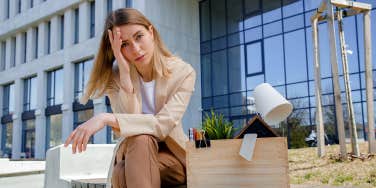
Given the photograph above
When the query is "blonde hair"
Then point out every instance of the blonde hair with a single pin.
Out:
(101, 77)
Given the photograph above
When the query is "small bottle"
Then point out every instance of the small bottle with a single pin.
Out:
(190, 132)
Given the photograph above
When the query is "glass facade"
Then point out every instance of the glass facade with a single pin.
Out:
(247, 42)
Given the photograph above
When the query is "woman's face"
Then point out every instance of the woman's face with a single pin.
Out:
(137, 44)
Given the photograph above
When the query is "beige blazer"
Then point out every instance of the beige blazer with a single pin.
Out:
(172, 96)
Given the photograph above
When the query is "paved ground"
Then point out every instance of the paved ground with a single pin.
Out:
(27, 181)
(12, 168)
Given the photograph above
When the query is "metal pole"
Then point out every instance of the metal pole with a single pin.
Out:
(319, 118)
(369, 84)
(350, 108)
(337, 90)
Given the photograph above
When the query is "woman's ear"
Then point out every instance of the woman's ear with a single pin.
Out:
(150, 29)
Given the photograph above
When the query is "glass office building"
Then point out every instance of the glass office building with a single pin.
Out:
(248, 42)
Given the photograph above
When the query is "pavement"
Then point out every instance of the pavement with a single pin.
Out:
(9, 168)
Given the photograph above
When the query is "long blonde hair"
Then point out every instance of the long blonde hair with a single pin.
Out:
(101, 77)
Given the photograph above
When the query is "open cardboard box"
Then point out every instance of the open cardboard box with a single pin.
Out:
(221, 166)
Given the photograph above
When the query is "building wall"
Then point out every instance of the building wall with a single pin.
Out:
(180, 33)
(247, 42)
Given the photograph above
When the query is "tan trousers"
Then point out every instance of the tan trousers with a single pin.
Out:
(147, 164)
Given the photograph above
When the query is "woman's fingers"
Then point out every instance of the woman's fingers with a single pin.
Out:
(85, 141)
(79, 142)
(69, 139)
(75, 142)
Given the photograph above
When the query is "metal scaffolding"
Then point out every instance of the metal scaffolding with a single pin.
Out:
(326, 12)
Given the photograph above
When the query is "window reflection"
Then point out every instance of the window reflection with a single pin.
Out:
(295, 56)
(218, 24)
(220, 77)
(236, 68)
(274, 68)
(82, 74)
(234, 16)
(54, 130)
(254, 58)
(28, 138)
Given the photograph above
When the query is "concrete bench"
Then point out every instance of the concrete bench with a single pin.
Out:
(81, 170)
(62, 167)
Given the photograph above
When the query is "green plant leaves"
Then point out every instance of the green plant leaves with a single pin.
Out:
(216, 127)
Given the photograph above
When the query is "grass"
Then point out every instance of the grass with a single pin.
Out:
(308, 169)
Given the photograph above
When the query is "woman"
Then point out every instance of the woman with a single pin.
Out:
(149, 90)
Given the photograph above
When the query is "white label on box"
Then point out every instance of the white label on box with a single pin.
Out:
(248, 145)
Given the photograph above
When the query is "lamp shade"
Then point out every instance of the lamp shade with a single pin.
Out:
(272, 106)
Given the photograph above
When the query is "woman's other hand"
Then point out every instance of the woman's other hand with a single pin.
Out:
(81, 135)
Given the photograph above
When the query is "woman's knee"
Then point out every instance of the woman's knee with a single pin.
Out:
(142, 139)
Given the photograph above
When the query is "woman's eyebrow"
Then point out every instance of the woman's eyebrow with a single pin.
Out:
(133, 35)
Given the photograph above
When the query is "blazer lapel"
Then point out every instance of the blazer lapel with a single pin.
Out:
(159, 92)
(136, 84)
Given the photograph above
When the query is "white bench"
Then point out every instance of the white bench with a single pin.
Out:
(62, 166)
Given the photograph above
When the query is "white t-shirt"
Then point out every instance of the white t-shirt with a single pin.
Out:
(147, 94)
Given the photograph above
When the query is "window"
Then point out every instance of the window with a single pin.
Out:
(54, 130)
(31, 3)
(274, 67)
(24, 46)
(204, 21)
(36, 31)
(295, 56)
(254, 54)
(8, 99)
(7, 5)
(3, 55)
(55, 87)
(30, 94)
(219, 73)
(6, 144)
(128, 3)
(28, 138)
(18, 6)
(61, 31)
(92, 19)
(218, 17)
(109, 6)
(76, 26)
(82, 73)
(48, 29)
(13, 52)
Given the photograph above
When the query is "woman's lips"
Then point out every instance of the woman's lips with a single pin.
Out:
(140, 58)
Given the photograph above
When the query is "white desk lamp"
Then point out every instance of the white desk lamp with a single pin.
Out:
(272, 106)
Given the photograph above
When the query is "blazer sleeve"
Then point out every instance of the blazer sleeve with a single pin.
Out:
(162, 123)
